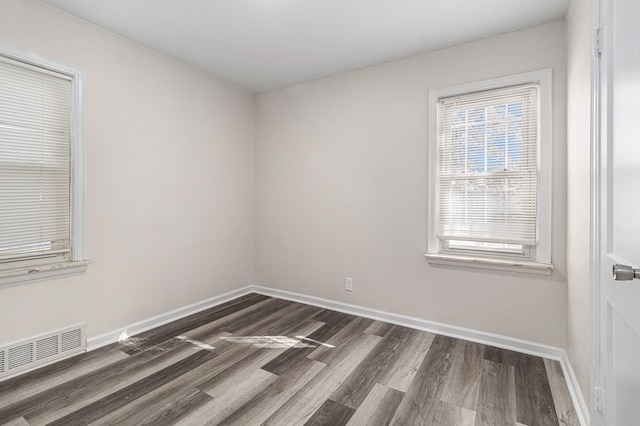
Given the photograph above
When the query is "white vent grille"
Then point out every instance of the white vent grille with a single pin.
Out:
(47, 347)
(39, 350)
(20, 355)
(71, 340)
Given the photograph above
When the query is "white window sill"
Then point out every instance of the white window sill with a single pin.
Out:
(511, 265)
(42, 271)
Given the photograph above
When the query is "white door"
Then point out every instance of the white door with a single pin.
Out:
(619, 306)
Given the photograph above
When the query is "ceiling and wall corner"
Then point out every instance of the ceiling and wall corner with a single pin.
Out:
(263, 45)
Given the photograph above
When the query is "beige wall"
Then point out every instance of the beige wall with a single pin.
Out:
(341, 168)
(578, 171)
(169, 188)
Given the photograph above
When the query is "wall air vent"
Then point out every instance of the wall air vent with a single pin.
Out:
(28, 354)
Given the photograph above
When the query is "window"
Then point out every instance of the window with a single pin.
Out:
(490, 174)
(41, 167)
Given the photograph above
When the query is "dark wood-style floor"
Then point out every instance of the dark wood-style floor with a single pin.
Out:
(259, 360)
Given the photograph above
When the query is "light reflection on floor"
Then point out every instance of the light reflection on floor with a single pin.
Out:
(140, 344)
(275, 342)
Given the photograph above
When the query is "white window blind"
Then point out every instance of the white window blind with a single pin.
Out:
(487, 166)
(35, 113)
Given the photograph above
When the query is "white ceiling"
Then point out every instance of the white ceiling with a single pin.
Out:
(262, 45)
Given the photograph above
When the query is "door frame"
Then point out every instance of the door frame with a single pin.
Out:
(598, 189)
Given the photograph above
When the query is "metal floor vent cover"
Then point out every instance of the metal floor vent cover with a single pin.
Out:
(40, 350)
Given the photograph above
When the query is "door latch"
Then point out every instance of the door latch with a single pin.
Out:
(625, 273)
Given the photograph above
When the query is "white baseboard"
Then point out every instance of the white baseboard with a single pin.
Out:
(497, 340)
(153, 322)
(482, 337)
(582, 409)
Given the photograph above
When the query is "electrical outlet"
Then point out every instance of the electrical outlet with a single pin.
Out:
(348, 284)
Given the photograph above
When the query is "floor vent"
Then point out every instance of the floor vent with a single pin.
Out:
(37, 351)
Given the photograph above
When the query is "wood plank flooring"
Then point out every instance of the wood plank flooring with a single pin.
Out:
(258, 360)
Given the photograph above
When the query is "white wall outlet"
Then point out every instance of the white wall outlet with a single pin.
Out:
(348, 283)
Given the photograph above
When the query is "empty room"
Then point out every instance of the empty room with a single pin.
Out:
(295, 212)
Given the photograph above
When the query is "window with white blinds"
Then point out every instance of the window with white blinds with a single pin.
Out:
(34, 162)
(490, 173)
(42, 215)
(487, 168)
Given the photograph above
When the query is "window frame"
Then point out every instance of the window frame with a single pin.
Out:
(539, 262)
(22, 270)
